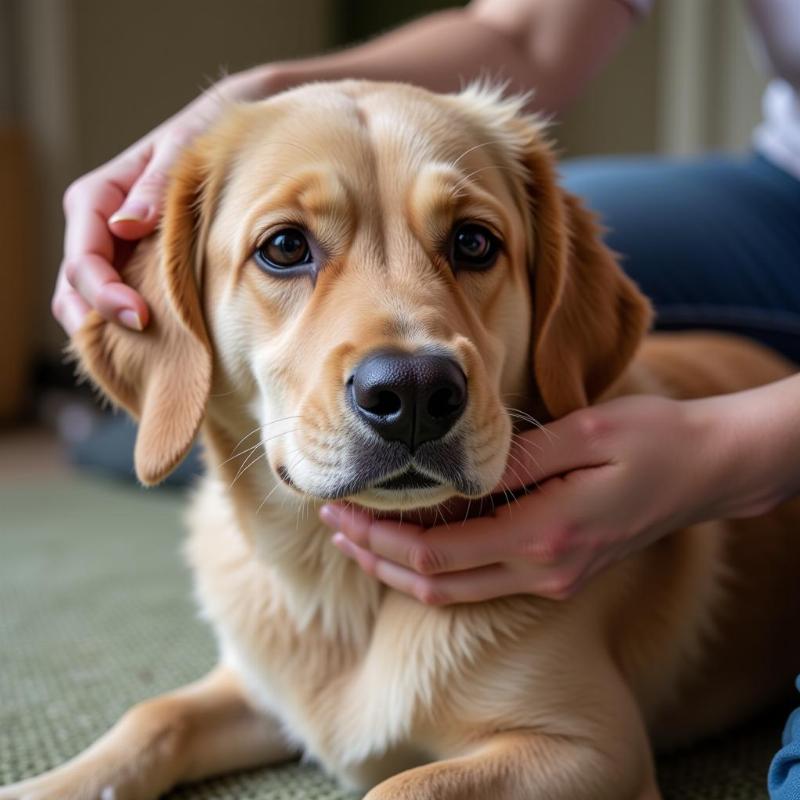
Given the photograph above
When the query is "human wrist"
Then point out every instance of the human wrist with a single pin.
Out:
(744, 452)
(718, 450)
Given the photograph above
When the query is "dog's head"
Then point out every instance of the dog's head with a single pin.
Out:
(368, 277)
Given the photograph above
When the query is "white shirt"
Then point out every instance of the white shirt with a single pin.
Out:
(776, 24)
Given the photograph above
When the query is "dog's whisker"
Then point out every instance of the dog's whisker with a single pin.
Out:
(525, 417)
(444, 519)
(528, 447)
(242, 471)
(466, 513)
(535, 445)
(269, 494)
(506, 492)
(241, 453)
(465, 178)
(250, 461)
(261, 428)
(473, 149)
(278, 483)
(523, 484)
(523, 445)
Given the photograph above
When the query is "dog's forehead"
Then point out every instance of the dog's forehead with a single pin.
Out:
(386, 131)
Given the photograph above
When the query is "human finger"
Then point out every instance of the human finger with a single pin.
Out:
(566, 444)
(427, 551)
(100, 285)
(141, 210)
(469, 586)
(89, 246)
(69, 308)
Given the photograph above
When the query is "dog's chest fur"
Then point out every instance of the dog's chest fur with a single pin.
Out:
(359, 677)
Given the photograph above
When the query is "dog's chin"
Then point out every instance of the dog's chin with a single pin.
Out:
(404, 499)
(415, 496)
(428, 509)
(427, 506)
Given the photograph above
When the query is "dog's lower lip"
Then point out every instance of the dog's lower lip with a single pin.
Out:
(410, 479)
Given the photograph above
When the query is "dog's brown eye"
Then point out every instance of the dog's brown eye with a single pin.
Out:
(473, 247)
(284, 249)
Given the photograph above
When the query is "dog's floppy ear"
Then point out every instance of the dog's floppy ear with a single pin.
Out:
(589, 317)
(162, 376)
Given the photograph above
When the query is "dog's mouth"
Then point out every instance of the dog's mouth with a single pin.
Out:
(405, 482)
(456, 508)
(446, 475)
(414, 495)
(390, 477)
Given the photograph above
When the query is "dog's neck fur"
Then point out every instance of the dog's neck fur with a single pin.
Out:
(316, 584)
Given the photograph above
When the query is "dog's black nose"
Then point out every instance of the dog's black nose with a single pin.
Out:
(409, 398)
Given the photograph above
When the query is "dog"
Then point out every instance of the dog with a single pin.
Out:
(349, 281)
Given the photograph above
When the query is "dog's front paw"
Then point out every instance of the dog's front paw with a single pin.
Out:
(66, 784)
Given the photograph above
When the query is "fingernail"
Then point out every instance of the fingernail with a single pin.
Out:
(329, 515)
(131, 212)
(130, 319)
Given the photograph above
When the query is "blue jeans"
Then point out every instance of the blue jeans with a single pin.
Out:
(784, 774)
(714, 242)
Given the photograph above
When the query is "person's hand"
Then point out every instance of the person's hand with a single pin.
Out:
(119, 203)
(611, 480)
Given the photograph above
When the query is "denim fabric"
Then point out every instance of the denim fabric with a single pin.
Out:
(784, 774)
(714, 242)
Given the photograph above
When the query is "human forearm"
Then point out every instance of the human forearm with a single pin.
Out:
(755, 441)
(550, 46)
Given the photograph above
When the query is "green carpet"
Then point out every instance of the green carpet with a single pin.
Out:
(96, 614)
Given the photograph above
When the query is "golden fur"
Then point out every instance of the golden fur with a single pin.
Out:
(515, 698)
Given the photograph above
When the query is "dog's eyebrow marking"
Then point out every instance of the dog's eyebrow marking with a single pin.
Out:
(440, 194)
(465, 179)
(509, 171)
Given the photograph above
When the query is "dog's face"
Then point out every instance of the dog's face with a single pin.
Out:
(368, 283)
(366, 274)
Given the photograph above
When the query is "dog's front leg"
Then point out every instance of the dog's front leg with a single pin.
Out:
(591, 744)
(525, 765)
(203, 729)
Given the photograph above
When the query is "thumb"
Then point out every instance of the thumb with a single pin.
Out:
(553, 449)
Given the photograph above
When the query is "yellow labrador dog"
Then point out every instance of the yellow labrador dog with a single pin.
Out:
(350, 281)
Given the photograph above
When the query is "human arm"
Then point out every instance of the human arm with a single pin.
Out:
(612, 479)
(551, 46)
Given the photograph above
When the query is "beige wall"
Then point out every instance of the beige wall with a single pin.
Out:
(134, 68)
(685, 82)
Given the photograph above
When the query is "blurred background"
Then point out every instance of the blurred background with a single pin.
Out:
(82, 79)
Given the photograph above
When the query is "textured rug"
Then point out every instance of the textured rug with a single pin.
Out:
(96, 614)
